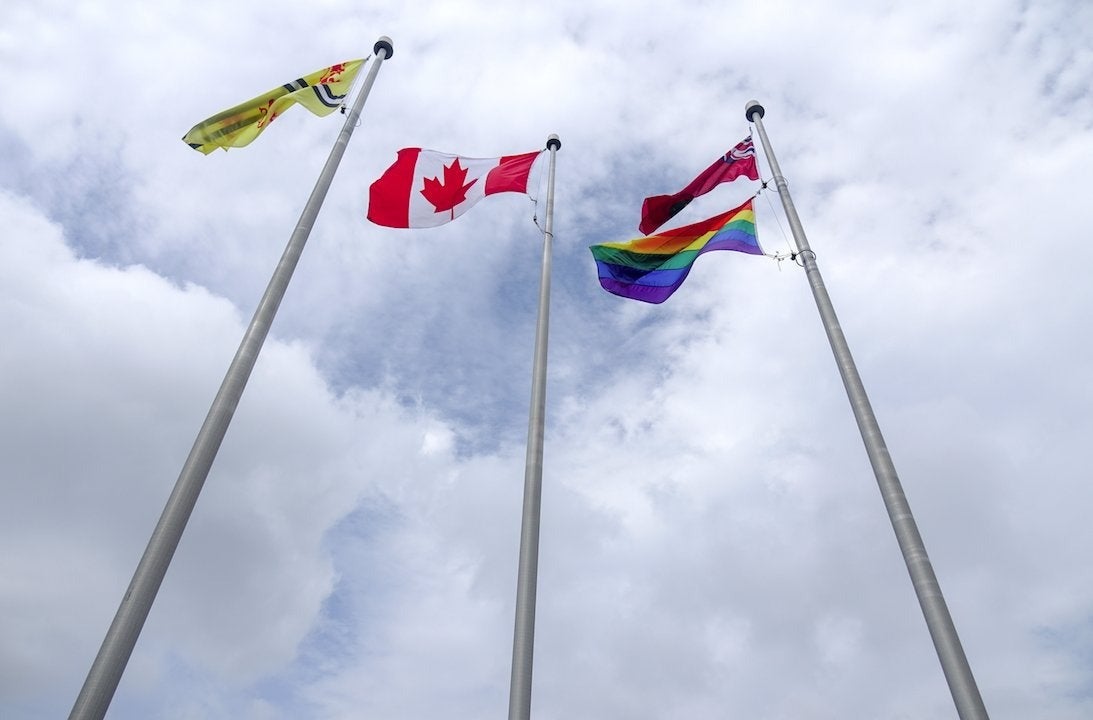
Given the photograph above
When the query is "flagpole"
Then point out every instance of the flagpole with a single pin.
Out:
(106, 671)
(523, 640)
(954, 663)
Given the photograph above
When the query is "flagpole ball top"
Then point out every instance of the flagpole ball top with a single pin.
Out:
(384, 43)
(752, 109)
(553, 143)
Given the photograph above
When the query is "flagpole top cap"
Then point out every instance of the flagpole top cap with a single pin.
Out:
(384, 43)
(752, 109)
(553, 143)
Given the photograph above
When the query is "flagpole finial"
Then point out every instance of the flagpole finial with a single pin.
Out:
(553, 142)
(752, 109)
(384, 43)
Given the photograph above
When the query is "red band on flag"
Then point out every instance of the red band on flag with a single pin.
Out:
(738, 162)
(511, 174)
(388, 197)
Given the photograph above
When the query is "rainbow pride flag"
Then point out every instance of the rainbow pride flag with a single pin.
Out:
(651, 268)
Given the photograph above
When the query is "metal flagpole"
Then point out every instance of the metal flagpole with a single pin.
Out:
(958, 673)
(523, 639)
(106, 671)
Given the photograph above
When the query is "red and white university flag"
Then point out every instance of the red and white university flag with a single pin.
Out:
(424, 188)
(738, 162)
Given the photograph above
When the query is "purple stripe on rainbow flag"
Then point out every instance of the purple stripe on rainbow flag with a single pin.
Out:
(651, 268)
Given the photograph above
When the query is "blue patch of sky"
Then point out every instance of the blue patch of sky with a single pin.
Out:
(352, 616)
(1074, 640)
(186, 685)
(88, 193)
(477, 376)
(476, 371)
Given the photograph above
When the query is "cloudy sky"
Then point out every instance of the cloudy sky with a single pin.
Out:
(713, 540)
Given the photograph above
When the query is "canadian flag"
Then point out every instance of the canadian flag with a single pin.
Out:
(424, 188)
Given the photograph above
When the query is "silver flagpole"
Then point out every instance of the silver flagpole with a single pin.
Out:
(523, 639)
(106, 671)
(958, 673)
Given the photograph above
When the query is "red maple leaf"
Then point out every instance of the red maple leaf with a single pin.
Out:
(449, 193)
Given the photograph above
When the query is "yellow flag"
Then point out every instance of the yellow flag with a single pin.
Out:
(321, 92)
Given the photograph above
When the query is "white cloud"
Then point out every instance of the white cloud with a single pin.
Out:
(712, 541)
(104, 392)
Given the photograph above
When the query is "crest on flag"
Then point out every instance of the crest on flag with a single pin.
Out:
(321, 92)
